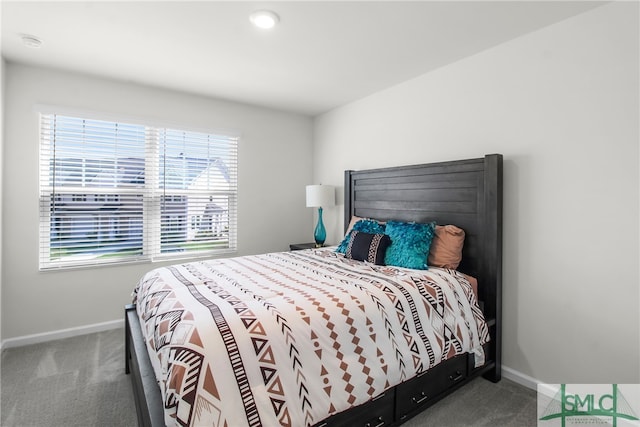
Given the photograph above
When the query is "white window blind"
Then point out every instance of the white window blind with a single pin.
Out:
(118, 192)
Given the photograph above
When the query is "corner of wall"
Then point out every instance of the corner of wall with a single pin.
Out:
(2, 109)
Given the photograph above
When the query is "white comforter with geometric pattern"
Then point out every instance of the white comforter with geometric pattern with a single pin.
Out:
(291, 338)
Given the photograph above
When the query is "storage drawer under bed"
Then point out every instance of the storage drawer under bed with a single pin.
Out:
(424, 389)
(377, 413)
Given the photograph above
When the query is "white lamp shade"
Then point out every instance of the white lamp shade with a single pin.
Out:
(320, 196)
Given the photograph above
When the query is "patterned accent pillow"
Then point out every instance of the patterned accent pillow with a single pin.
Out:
(410, 243)
(365, 225)
(367, 247)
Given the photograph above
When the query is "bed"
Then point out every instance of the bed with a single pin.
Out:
(315, 338)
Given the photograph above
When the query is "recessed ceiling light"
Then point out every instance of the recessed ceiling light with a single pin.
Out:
(31, 41)
(264, 19)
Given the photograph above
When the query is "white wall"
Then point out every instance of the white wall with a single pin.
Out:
(561, 104)
(2, 110)
(274, 166)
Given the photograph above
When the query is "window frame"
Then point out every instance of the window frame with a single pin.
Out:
(152, 194)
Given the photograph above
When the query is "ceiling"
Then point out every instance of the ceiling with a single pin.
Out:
(323, 54)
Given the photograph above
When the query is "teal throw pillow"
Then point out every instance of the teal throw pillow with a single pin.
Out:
(370, 226)
(410, 243)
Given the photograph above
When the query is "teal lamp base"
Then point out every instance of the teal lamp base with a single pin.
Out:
(320, 234)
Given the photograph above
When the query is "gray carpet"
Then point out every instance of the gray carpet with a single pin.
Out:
(80, 382)
(77, 381)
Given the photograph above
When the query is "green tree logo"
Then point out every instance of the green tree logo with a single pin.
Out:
(603, 406)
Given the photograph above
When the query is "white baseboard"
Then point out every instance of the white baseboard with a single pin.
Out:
(62, 333)
(520, 378)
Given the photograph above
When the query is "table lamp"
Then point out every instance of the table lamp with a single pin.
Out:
(317, 197)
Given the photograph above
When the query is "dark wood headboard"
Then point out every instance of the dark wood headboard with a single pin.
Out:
(465, 193)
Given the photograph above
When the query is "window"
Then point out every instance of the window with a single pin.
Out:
(118, 192)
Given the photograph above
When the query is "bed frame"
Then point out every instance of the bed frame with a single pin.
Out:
(466, 193)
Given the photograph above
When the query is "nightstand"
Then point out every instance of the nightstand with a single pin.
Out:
(301, 246)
